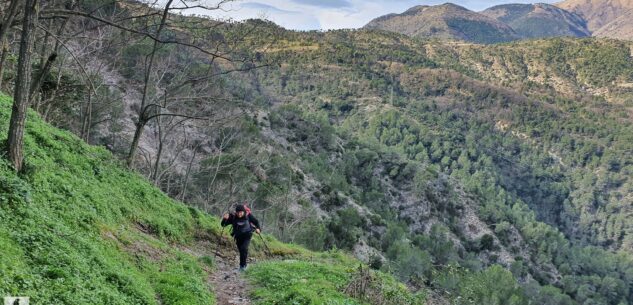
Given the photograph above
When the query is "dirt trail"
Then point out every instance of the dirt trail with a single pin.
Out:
(228, 283)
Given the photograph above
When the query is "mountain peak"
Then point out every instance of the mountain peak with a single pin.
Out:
(451, 5)
(446, 7)
(448, 21)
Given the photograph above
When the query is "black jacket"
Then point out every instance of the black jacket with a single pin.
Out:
(234, 221)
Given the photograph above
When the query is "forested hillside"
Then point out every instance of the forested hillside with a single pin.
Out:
(496, 174)
(78, 228)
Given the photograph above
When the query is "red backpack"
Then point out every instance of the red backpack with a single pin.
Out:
(248, 210)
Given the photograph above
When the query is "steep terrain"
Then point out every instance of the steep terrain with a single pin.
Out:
(539, 20)
(619, 28)
(605, 18)
(476, 174)
(392, 129)
(447, 21)
(77, 228)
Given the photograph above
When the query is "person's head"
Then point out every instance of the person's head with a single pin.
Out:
(240, 211)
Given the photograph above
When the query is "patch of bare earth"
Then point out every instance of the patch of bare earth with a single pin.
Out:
(229, 285)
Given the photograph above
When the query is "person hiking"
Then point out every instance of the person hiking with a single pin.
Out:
(244, 223)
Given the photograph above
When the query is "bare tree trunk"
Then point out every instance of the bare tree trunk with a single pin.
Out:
(87, 119)
(168, 184)
(4, 29)
(48, 104)
(11, 13)
(43, 47)
(15, 140)
(47, 65)
(142, 120)
(184, 185)
(3, 57)
(40, 77)
(159, 153)
(44, 65)
(140, 126)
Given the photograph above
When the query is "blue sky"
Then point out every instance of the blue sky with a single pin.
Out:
(333, 14)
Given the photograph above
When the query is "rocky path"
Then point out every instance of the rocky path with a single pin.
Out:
(229, 284)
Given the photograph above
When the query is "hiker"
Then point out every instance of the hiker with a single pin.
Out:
(244, 223)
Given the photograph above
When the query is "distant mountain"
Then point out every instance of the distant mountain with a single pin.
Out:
(448, 21)
(605, 18)
(539, 20)
(620, 28)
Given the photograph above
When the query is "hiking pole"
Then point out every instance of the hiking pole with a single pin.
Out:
(217, 248)
(265, 245)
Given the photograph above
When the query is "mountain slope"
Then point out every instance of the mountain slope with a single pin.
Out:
(485, 174)
(77, 228)
(445, 21)
(601, 13)
(380, 129)
(539, 20)
(619, 28)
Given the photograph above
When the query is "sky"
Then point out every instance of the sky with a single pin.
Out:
(333, 14)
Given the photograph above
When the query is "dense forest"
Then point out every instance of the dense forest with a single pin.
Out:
(496, 174)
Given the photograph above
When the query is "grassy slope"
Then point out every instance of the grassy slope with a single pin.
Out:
(77, 228)
(70, 222)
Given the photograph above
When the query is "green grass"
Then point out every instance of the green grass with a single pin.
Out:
(76, 227)
(68, 228)
(322, 278)
(299, 282)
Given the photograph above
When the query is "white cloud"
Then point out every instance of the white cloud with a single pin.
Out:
(333, 14)
(281, 12)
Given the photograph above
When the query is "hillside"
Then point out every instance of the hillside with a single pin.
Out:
(619, 28)
(472, 173)
(424, 136)
(77, 228)
(605, 18)
(509, 22)
(447, 21)
(539, 20)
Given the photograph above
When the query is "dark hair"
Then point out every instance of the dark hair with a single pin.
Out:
(239, 208)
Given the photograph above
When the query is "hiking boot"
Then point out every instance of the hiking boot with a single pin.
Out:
(242, 269)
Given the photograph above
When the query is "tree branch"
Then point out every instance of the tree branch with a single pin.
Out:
(64, 13)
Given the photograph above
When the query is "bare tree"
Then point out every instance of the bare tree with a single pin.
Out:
(194, 151)
(21, 92)
(11, 12)
(143, 116)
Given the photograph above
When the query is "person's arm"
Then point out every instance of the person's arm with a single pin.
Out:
(227, 219)
(255, 222)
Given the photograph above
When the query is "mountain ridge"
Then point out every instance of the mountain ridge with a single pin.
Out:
(445, 21)
(605, 18)
(514, 21)
(539, 20)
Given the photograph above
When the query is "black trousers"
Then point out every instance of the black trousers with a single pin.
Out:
(242, 242)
